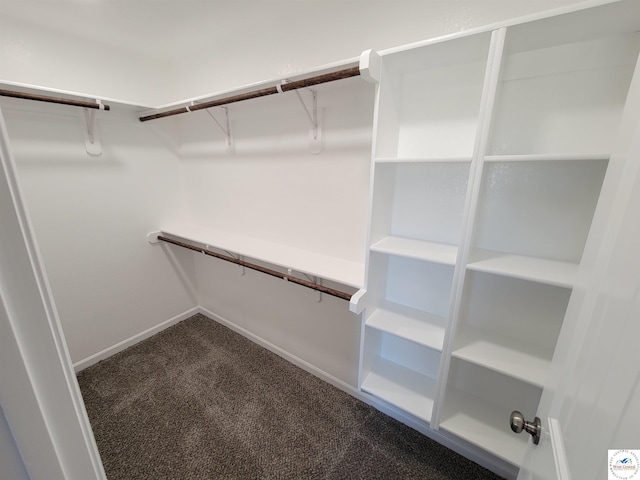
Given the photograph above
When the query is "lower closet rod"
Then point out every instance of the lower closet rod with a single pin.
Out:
(252, 266)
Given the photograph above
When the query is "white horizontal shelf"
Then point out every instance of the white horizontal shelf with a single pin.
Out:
(330, 268)
(423, 159)
(548, 157)
(418, 249)
(417, 326)
(402, 387)
(541, 270)
(518, 359)
(483, 424)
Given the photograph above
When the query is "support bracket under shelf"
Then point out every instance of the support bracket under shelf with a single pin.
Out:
(315, 134)
(225, 129)
(91, 136)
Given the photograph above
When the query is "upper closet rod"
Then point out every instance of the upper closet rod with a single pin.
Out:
(64, 101)
(283, 87)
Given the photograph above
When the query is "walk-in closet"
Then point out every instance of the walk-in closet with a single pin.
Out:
(426, 206)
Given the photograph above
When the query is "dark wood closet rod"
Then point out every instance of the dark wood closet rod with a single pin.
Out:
(285, 87)
(252, 266)
(63, 101)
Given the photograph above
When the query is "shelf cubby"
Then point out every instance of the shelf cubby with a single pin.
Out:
(430, 102)
(477, 406)
(420, 201)
(400, 372)
(562, 95)
(538, 209)
(510, 326)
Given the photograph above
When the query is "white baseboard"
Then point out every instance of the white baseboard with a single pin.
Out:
(118, 347)
(336, 382)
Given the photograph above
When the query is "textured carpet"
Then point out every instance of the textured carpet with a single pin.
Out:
(198, 401)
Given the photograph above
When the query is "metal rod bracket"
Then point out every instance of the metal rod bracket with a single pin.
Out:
(91, 137)
(315, 134)
(226, 129)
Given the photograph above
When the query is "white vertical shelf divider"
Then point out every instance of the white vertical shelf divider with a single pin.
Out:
(491, 80)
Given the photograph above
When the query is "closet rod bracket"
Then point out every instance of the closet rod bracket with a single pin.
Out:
(91, 136)
(315, 134)
(316, 281)
(152, 237)
(226, 128)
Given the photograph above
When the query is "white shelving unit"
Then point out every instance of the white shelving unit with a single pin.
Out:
(490, 152)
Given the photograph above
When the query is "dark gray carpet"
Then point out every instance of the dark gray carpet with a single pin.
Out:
(198, 401)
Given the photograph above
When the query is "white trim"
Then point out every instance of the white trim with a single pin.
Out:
(30, 343)
(559, 452)
(138, 337)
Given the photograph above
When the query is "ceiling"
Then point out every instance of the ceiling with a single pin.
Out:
(165, 29)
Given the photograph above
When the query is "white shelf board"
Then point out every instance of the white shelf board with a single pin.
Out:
(418, 326)
(541, 270)
(517, 359)
(331, 268)
(548, 157)
(483, 424)
(402, 387)
(423, 160)
(418, 249)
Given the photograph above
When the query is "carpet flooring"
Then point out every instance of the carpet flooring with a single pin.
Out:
(199, 401)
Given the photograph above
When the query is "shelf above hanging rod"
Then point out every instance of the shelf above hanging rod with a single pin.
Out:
(96, 104)
(290, 278)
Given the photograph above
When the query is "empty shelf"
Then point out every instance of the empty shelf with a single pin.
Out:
(402, 387)
(519, 360)
(551, 272)
(418, 249)
(415, 325)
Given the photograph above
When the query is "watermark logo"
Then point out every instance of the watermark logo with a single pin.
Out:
(624, 464)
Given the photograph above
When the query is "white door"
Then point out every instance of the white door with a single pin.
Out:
(591, 401)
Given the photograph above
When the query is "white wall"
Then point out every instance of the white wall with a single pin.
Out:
(285, 317)
(272, 187)
(91, 216)
(65, 60)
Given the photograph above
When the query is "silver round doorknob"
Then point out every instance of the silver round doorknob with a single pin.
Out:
(517, 421)
(518, 424)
